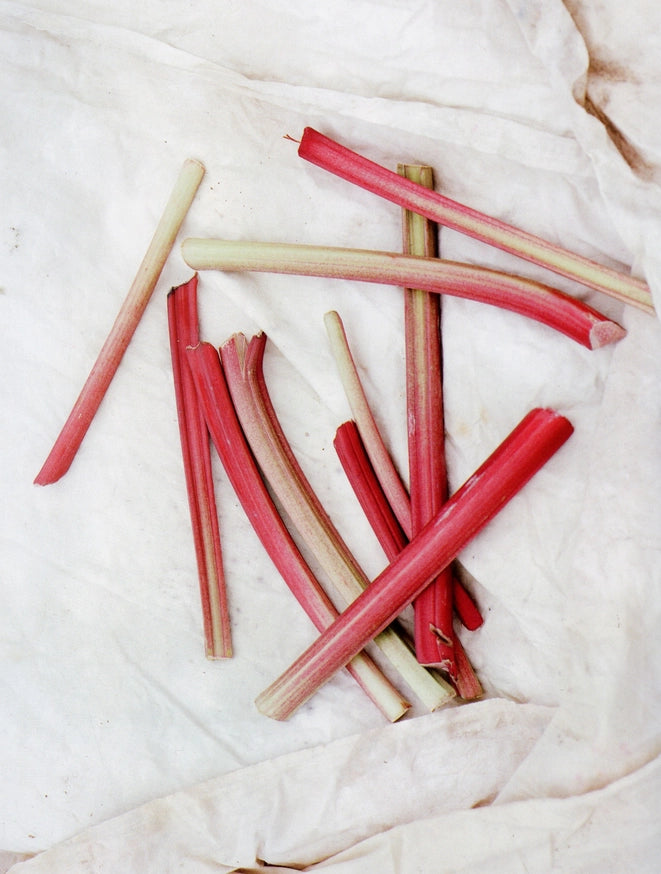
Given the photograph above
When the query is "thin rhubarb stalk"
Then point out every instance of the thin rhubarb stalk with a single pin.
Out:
(84, 409)
(363, 480)
(337, 159)
(183, 330)
(532, 443)
(432, 609)
(524, 296)
(365, 422)
(243, 366)
(251, 491)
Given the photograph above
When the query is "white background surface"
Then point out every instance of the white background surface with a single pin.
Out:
(108, 703)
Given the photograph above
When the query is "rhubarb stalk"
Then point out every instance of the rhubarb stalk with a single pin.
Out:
(243, 366)
(371, 497)
(524, 296)
(377, 451)
(432, 609)
(532, 443)
(331, 156)
(71, 436)
(194, 436)
(251, 491)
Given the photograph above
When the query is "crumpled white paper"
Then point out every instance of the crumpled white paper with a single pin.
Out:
(121, 747)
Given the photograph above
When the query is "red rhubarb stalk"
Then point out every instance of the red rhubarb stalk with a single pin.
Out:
(243, 366)
(331, 156)
(252, 493)
(515, 293)
(183, 330)
(377, 451)
(532, 443)
(71, 436)
(371, 497)
(432, 609)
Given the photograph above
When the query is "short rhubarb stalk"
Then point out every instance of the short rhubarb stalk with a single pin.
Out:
(362, 478)
(377, 451)
(243, 366)
(337, 159)
(532, 443)
(183, 329)
(246, 480)
(432, 609)
(76, 426)
(524, 296)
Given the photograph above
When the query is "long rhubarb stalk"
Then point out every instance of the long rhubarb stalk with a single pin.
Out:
(246, 480)
(331, 156)
(524, 296)
(532, 443)
(432, 609)
(84, 409)
(243, 366)
(377, 451)
(194, 437)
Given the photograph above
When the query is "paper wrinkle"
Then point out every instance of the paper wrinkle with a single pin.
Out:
(118, 736)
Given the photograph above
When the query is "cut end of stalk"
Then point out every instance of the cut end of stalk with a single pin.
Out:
(604, 333)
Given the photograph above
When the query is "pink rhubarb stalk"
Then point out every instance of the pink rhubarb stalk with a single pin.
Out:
(377, 451)
(337, 159)
(524, 296)
(183, 330)
(247, 482)
(432, 609)
(84, 409)
(243, 366)
(532, 443)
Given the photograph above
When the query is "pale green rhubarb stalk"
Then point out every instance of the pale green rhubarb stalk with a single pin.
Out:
(363, 416)
(84, 409)
(532, 443)
(367, 488)
(524, 296)
(246, 480)
(432, 609)
(194, 436)
(243, 366)
(332, 156)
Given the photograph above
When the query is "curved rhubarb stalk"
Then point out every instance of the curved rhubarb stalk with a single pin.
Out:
(337, 159)
(242, 362)
(92, 393)
(524, 296)
(253, 495)
(532, 443)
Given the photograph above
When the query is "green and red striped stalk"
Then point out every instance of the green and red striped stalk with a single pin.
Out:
(532, 443)
(432, 609)
(343, 162)
(524, 296)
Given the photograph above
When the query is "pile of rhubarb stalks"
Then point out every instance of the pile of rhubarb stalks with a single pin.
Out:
(223, 401)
